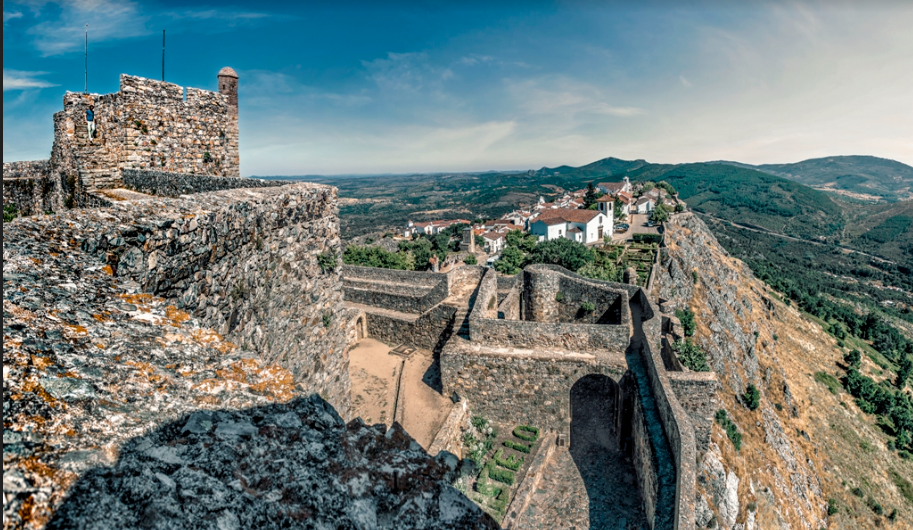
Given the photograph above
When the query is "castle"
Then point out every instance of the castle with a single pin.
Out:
(172, 245)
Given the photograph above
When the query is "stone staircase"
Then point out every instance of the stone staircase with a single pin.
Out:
(96, 161)
(461, 323)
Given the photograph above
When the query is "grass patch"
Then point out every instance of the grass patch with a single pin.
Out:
(903, 485)
(831, 382)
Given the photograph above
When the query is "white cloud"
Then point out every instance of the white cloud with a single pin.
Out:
(9, 15)
(402, 73)
(107, 19)
(684, 81)
(23, 80)
(111, 20)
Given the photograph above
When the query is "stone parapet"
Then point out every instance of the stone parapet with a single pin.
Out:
(172, 184)
(245, 263)
(32, 188)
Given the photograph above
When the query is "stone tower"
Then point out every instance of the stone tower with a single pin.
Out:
(228, 85)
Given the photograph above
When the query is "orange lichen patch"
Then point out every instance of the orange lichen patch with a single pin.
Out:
(40, 362)
(207, 400)
(234, 372)
(76, 329)
(208, 337)
(30, 385)
(18, 312)
(100, 346)
(36, 261)
(276, 382)
(34, 515)
(176, 315)
(108, 270)
(148, 371)
(71, 374)
(211, 386)
(103, 317)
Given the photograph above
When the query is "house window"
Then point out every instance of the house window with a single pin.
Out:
(559, 232)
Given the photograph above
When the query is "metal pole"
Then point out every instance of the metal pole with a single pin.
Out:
(163, 55)
(86, 58)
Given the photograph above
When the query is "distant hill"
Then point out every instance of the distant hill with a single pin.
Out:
(601, 168)
(861, 177)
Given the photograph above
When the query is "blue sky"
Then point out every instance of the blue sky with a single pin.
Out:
(331, 88)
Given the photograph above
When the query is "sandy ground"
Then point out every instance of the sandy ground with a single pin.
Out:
(373, 372)
(424, 408)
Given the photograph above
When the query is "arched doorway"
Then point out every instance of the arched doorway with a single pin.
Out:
(360, 332)
(595, 412)
(606, 472)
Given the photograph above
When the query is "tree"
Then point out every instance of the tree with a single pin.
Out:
(660, 214)
(563, 252)
(605, 272)
(589, 199)
(679, 208)
(686, 316)
(618, 208)
(470, 259)
(511, 261)
(904, 371)
(378, 257)
(752, 397)
(853, 358)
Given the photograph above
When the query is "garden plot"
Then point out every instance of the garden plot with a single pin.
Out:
(502, 455)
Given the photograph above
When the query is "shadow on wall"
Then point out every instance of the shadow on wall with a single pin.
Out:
(293, 465)
(607, 471)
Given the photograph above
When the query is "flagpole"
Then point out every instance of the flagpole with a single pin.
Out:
(86, 58)
(163, 55)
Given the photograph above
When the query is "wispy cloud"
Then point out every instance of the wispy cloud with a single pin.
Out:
(111, 20)
(9, 15)
(107, 20)
(23, 80)
(558, 95)
(406, 73)
(684, 81)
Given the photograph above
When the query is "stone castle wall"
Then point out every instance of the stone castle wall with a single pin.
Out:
(404, 291)
(171, 184)
(529, 388)
(427, 331)
(245, 263)
(31, 188)
(147, 124)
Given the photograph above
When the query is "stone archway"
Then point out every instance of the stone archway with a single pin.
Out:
(606, 471)
(596, 405)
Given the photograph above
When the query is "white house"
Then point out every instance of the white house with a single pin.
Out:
(584, 226)
(606, 205)
(494, 242)
(611, 188)
(644, 204)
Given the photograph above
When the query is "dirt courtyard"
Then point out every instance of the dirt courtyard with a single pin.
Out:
(374, 372)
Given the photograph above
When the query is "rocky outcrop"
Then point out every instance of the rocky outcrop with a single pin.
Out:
(737, 327)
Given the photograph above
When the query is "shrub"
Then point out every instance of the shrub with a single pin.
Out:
(832, 507)
(327, 261)
(527, 433)
(686, 316)
(647, 238)
(559, 296)
(694, 277)
(483, 486)
(511, 462)
(679, 208)
(874, 506)
(327, 320)
(523, 448)
(732, 432)
(857, 491)
(588, 307)
(752, 397)
(10, 212)
(207, 158)
(470, 259)
(691, 355)
(501, 475)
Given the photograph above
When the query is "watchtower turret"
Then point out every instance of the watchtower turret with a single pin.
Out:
(228, 85)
